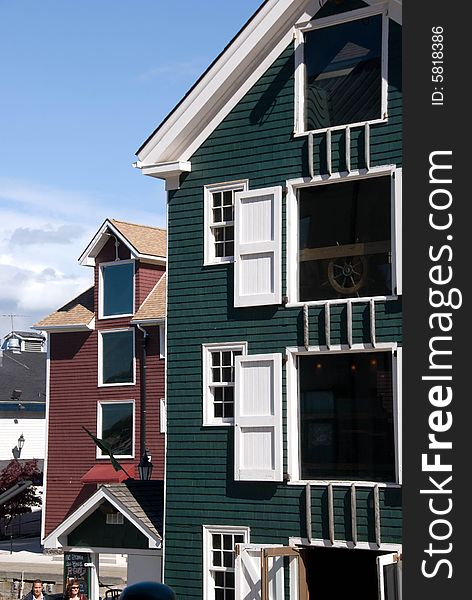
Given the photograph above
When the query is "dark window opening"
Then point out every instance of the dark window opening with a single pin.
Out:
(344, 73)
(118, 289)
(346, 417)
(117, 427)
(118, 355)
(341, 573)
(345, 240)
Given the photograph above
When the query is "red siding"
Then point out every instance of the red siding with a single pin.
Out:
(74, 394)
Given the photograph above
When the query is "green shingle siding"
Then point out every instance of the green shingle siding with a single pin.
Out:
(255, 142)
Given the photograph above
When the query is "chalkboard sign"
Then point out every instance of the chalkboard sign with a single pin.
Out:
(74, 568)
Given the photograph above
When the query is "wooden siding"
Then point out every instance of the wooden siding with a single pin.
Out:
(255, 141)
(74, 396)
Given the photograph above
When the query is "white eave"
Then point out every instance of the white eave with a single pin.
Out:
(90, 326)
(230, 77)
(88, 256)
(170, 171)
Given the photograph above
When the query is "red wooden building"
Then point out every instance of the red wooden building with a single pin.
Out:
(106, 373)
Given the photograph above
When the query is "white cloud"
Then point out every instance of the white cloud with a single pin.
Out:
(176, 71)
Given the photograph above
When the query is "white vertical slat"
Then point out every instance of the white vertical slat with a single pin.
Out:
(348, 149)
(328, 152)
(248, 570)
(397, 232)
(258, 247)
(258, 418)
(397, 403)
(367, 145)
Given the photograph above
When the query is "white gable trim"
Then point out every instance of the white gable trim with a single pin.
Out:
(226, 82)
(87, 258)
(58, 537)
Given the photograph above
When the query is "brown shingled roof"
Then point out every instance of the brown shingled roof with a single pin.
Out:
(154, 307)
(146, 239)
(78, 311)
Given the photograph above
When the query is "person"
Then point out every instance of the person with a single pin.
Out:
(73, 590)
(36, 592)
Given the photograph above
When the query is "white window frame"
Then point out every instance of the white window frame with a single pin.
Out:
(300, 68)
(208, 531)
(210, 257)
(292, 262)
(100, 403)
(115, 518)
(383, 561)
(101, 289)
(293, 411)
(100, 357)
(207, 349)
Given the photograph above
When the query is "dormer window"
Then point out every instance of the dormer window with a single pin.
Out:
(342, 79)
(116, 289)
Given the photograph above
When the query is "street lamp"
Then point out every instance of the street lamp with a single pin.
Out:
(145, 467)
(21, 443)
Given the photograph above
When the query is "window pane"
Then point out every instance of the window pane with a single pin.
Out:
(217, 199)
(346, 413)
(345, 239)
(343, 65)
(117, 427)
(118, 353)
(118, 289)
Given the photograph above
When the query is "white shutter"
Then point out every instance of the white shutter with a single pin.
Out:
(248, 570)
(258, 247)
(389, 575)
(397, 232)
(258, 418)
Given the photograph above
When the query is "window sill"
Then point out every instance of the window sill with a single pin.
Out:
(113, 385)
(108, 317)
(216, 263)
(343, 483)
(364, 299)
(221, 424)
(379, 121)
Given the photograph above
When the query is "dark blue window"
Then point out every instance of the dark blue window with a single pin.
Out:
(117, 358)
(118, 289)
(117, 427)
(344, 73)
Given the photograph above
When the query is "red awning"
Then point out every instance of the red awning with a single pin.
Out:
(106, 474)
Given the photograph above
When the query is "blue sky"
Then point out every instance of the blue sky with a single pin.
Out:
(83, 84)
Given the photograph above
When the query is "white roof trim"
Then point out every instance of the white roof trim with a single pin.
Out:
(231, 76)
(90, 326)
(87, 257)
(57, 537)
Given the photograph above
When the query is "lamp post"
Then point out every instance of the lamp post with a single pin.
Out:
(21, 443)
(145, 467)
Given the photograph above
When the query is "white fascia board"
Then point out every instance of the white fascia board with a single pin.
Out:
(55, 538)
(90, 326)
(85, 258)
(258, 45)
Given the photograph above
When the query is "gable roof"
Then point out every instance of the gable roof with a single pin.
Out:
(141, 502)
(76, 315)
(25, 335)
(244, 60)
(155, 306)
(143, 241)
